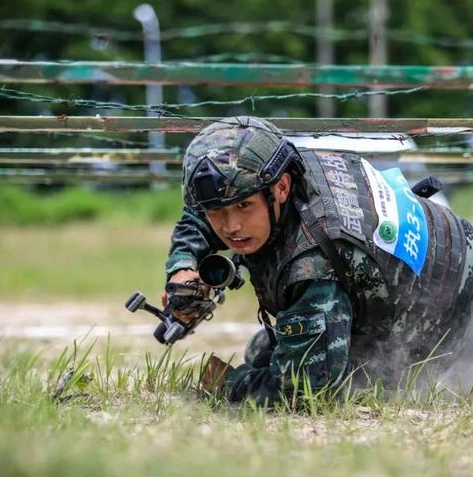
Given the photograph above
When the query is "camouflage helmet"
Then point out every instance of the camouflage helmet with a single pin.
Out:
(232, 159)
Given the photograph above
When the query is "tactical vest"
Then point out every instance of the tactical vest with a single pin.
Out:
(386, 293)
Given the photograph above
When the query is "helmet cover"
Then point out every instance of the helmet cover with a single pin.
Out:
(228, 161)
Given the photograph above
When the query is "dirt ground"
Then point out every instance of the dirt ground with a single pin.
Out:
(52, 326)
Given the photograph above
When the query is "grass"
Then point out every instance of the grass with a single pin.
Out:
(99, 261)
(82, 260)
(100, 409)
(461, 201)
(149, 418)
(84, 243)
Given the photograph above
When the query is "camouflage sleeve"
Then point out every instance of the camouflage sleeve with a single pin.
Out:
(313, 340)
(191, 240)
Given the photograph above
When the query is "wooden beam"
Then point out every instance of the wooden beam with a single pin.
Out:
(311, 126)
(102, 72)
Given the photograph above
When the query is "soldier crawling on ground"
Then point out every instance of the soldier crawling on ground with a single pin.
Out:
(346, 261)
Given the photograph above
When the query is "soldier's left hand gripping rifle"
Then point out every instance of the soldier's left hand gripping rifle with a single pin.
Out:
(191, 298)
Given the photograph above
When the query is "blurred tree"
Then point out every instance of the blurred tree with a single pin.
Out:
(420, 33)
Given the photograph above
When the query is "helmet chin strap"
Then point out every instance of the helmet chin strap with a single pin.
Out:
(275, 226)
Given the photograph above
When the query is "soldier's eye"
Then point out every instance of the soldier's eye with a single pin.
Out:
(244, 204)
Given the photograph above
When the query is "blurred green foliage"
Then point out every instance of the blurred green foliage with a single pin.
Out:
(26, 207)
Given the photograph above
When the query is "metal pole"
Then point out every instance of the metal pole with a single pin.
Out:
(146, 15)
(325, 51)
(378, 51)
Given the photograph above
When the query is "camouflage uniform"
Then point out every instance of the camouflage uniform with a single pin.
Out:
(378, 309)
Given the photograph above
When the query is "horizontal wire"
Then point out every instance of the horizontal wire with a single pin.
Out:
(335, 34)
(163, 109)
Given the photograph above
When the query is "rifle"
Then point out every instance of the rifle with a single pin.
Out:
(192, 298)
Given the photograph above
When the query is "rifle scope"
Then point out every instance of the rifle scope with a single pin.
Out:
(218, 271)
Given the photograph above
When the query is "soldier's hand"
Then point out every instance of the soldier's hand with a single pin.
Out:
(181, 276)
(215, 374)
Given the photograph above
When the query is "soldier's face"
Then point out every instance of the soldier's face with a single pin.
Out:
(244, 227)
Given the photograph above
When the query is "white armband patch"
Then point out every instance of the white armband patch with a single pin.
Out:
(402, 227)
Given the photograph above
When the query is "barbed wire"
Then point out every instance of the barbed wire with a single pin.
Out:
(163, 109)
(449, 140)
(335, 34)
